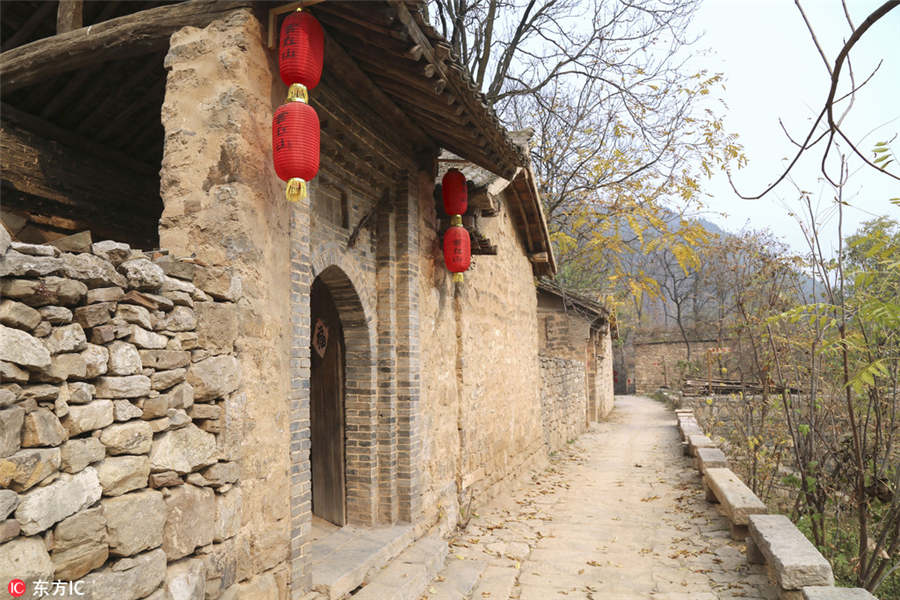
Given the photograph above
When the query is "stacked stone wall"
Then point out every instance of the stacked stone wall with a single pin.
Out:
(563, 401)
(120, 412)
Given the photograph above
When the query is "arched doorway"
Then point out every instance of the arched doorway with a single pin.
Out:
(326, 406)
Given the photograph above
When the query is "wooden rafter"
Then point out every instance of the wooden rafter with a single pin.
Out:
(69, 15)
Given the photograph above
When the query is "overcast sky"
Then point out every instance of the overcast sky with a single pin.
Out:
(773, 70)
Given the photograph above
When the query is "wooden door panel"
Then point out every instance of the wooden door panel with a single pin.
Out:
(326, 407)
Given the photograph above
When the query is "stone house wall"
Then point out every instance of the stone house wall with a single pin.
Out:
(563, 400)
(480, 374)
(658, 364)
(120, 427)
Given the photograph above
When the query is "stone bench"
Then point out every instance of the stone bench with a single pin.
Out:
(710, 458)
(823, 592)
(792, 560)
(695, 441)
(736, 500)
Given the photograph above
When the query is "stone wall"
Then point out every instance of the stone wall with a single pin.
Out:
(224, 204)
(658, 364)
(480, 370)
(119, 404)
(563, 400)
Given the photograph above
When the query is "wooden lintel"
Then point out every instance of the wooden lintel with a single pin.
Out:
(123, 37)
(539, 257)
(69, 15)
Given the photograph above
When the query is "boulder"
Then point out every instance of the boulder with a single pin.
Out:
(87, 417)
(77, 242)
(47, 290)
(219, 282)
(7, 397)
(124, 359)
(78, 453)
(67, 338)
(9, 500)
(45, 506)
(181, 396)
(114, 252)
(163, 380)
(80, 392)
(92, 270)
(135, 522)
(190, 522)
(10, 373)
(165, 359)
(177, 418)
(142, 274)
(176, 268)
(228, 514)
(131, 386)
(138, 315)
(9, 529)
(127, 438)
(20, 348)
(5, 239)
(129, 578)
(105, 295)
(63, 367)
(34, 249)
(181, 318)
(125, 410)
(11, 421)
(214, 377)
(17, 264)
(121, 474)
(56, 315)
(93, 315)
(96, 360)
(26, 468)
(186, 580)
(25, 558)
(18, 315)
(165, 479)
(42, 428)
(153, 408)
(142, 338)
(78, 544)
(183, 450)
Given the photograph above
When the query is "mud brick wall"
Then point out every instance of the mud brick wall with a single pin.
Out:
(658, 364)
(563, 400)
(119, 398)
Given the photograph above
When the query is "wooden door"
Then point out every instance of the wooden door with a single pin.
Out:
(326, 407)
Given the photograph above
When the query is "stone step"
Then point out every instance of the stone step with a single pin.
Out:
(457, 580)
(406, 577)
(496, 583)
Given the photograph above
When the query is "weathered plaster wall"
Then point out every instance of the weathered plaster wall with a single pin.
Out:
(480, 371)
(120, 408)
(224, 204)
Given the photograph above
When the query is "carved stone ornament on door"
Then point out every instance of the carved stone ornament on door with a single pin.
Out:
(320, 338)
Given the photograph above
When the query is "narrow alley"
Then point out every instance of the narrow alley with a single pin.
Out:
(619, 515)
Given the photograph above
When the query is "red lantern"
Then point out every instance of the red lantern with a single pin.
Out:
(301, 50)
(455, 192)
(457, 250)
(295, 143)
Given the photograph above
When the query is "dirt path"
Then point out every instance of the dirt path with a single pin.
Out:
(620, 515)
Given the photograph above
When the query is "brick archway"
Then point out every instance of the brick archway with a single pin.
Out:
(359, 397)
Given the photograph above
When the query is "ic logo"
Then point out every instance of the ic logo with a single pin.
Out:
(16, 588)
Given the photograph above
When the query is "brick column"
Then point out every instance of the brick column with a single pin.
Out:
(387, 365)
(301, 483)
(409, 419)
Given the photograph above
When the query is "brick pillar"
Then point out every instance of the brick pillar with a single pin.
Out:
(301, 483)
(387, 365)
(409, 419)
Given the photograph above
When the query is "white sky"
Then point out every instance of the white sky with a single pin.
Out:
(773, 70)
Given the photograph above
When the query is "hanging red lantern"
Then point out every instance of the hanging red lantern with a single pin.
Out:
(295, 142)
(301, 50)
(457, 249)
(454, 192)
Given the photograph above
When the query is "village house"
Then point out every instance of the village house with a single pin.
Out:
(218, 393)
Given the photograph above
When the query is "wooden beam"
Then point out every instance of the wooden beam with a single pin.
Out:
(29, 27)
(44, 168)
(69, 15)
(123, 37)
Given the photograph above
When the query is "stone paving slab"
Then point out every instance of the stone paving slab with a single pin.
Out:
(619, 515)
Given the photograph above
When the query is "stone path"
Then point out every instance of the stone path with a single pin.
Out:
(619, 515)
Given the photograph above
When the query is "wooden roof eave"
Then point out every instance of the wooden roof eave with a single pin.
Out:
(534, 223)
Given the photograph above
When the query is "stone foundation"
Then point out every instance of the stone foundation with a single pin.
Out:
(120, 405)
